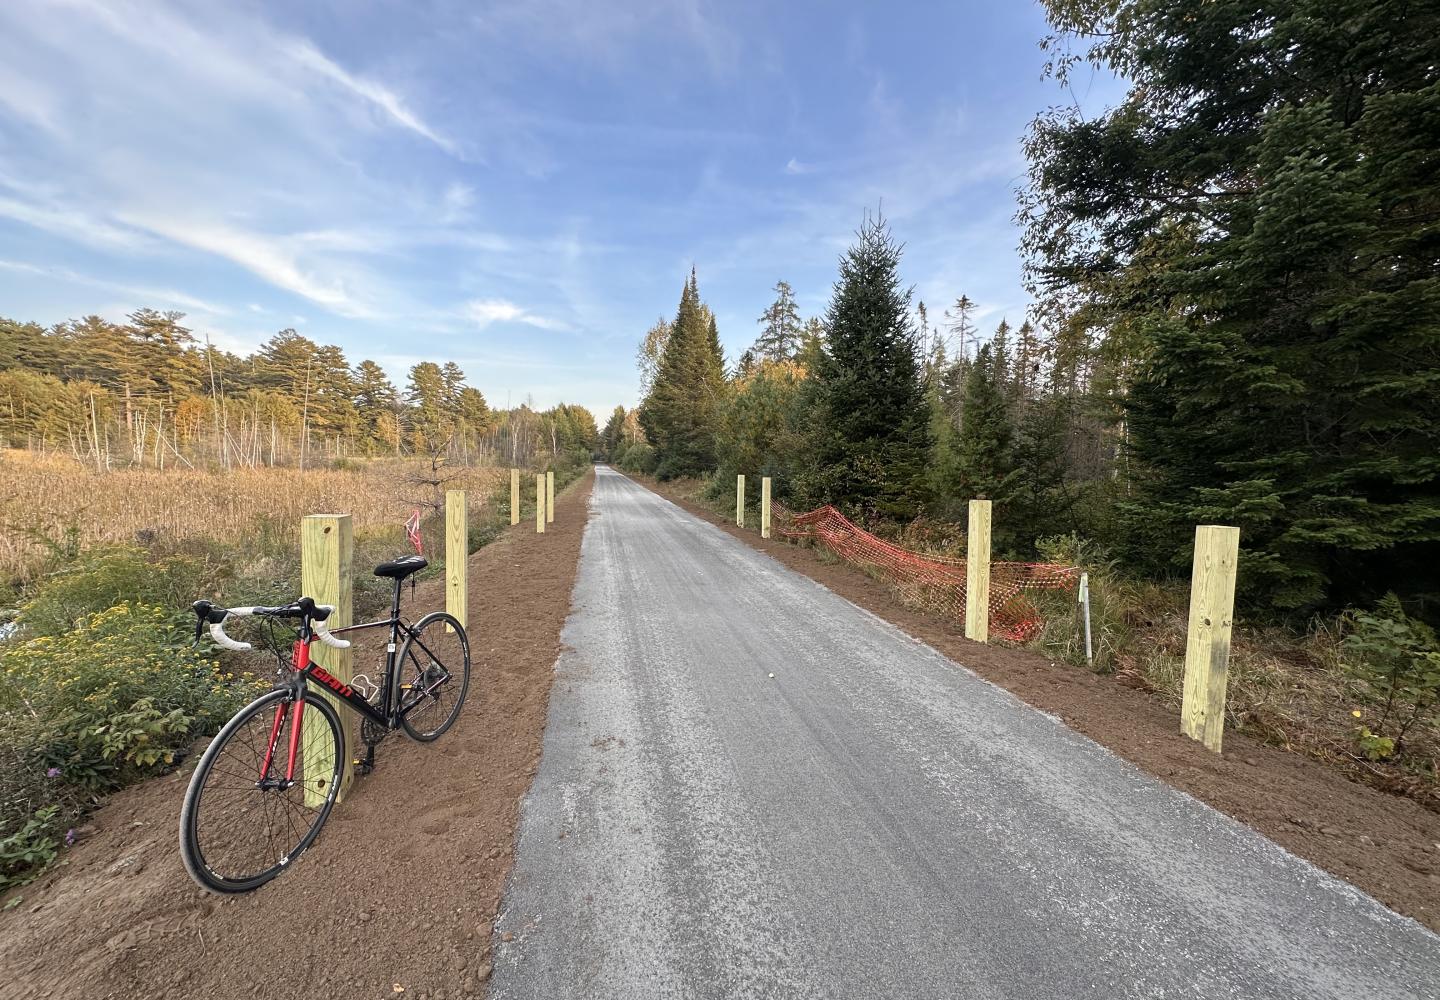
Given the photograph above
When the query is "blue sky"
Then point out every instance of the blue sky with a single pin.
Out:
(520, 187)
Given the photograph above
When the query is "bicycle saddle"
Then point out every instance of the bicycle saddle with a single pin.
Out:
(399, 569)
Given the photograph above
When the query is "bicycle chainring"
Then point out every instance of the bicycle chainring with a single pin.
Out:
(372, 733)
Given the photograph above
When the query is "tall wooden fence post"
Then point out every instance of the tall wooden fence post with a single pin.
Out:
(764, 506)
(327, 542)
(540, 504)
(1207, 644)
(457, 557)
(514, 496)
(549, 497)
(740, 500)
(977, 572)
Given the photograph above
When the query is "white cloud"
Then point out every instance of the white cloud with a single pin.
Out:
(270, 258)
(28, 100)
(796, 167)
(456, 202)
(138, 295)
(483, 312)
(382, 97)
(72, 224)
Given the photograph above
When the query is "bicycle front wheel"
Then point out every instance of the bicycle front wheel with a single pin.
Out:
(244, 821)
(432, 674)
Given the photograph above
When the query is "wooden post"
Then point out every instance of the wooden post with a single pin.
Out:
(514, 496)
(326, 544)
(977, 572)
(740, 500)
(539, 503)
(549, 497)
(764, 506)
(457, 557)
(1207, 645)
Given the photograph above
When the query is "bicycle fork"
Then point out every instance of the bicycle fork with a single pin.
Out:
(302, 660)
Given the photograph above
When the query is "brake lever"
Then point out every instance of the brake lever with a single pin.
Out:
(202, 612)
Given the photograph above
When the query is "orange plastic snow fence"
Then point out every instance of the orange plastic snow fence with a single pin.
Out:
(936, 583)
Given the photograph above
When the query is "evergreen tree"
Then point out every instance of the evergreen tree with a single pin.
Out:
(780, 338)
(943, 474)
(1036, 504)
(871, 430)
(812, 344)
(1256, 220)
(679, 413)
(432, 420)
(983, 446)
(961, 326)
(613, 433)
(375, 404)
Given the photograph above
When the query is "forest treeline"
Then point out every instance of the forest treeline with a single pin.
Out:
(147, 392)
(1236, 319)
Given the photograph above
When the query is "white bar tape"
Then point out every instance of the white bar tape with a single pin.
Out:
(323, 634)
(224, 641)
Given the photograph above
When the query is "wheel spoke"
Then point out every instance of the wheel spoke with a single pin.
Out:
(240, 832)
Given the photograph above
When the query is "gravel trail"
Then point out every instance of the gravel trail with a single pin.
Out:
(871, 821)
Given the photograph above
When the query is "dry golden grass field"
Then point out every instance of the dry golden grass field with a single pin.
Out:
(55, 498)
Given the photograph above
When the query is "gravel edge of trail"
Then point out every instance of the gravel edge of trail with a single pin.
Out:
(1387, 846)
(121, 919)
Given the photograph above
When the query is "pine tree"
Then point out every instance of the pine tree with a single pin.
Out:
(872, 433)
(780, 338)
(432, 420)
(375, 403)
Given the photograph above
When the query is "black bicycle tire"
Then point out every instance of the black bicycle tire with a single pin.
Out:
(190, 852)
(418, 627)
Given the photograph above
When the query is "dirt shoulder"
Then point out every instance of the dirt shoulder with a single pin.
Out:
(402, 886)
(1386, 845)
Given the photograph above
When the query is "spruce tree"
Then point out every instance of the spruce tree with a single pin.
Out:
(943, 472)
(983, 445)
(680, 413)
(872, 433)
(780, 338)
(1255, 223)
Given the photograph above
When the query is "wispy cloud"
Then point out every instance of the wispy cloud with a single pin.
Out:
(484, 312)
(377, 94)
(271, 258)
(71, 223)
(795, 167)
(139, 295)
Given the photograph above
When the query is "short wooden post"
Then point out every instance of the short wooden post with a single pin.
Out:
(1207, 645)
(740, 500)
(977, 572)
(540, 504)
(514, 496)
(457, 557)
(327, 542)
(765, 507)
(550, 497)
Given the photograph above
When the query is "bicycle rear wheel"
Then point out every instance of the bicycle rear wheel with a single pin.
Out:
(238, 832)
(432, 675)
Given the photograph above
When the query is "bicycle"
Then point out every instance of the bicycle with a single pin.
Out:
(244, 821)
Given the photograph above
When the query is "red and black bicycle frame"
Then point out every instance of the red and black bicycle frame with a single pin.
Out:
(387, 715)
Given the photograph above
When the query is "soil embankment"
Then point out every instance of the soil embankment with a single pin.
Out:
(402, 887)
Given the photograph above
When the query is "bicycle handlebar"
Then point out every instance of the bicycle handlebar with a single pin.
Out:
(305, 609)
